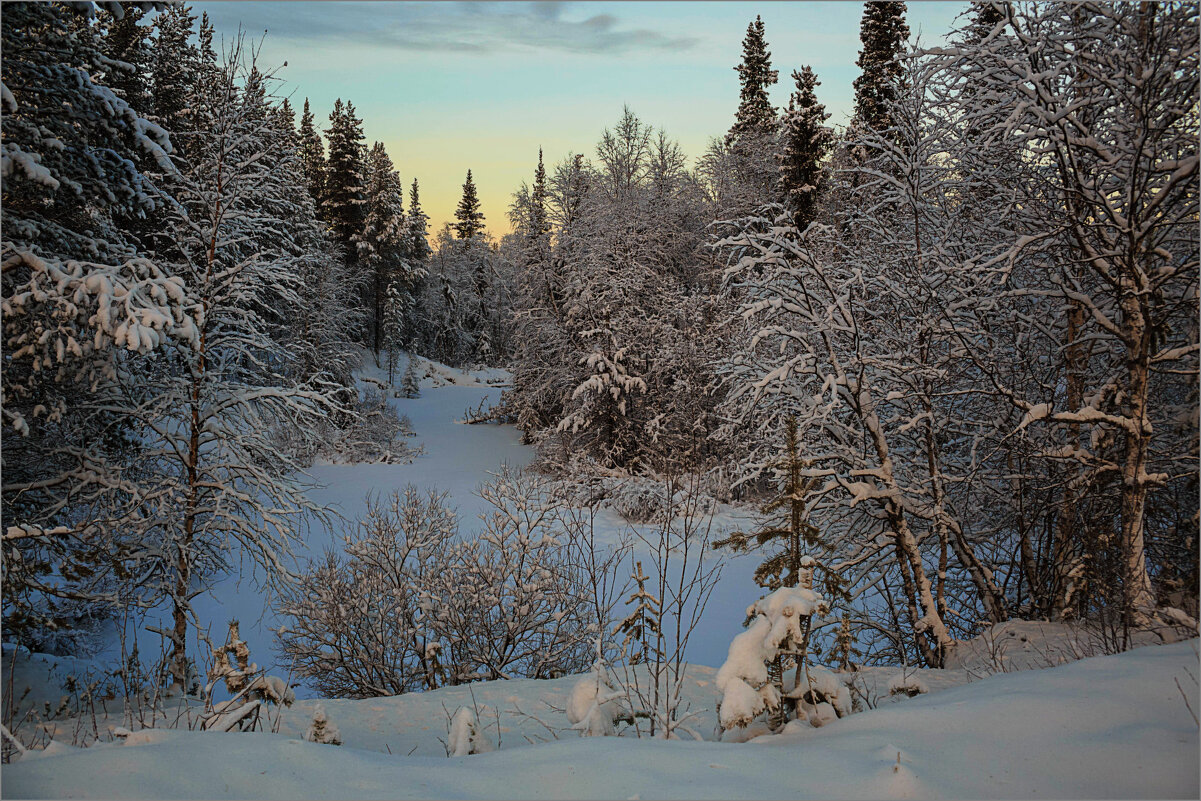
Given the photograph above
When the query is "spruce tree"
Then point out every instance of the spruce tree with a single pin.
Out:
(787, 520)
(539, 223)
(883, 33)
(418, 249)
(806, 141)
(312, 155)
(755, 112)
(344, 202)
(173, 66)
(383, 241)
(284, 117)
(470, 218)
(126, 40)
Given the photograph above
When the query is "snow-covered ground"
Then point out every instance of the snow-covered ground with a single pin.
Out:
(1104, 727)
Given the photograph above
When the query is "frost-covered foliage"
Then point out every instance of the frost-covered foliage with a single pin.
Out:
(414, 606)
(611, 310)
(779, 624)
(356, 625)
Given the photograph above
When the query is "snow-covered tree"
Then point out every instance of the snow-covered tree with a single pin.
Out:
(780, 625)
(1110, 210)
(470, 218)
(207, 411)
(344, 201)
(80, 304)
(174, 63)
(382, 243)
(805, 141)
(321, 729)
(756, 115)
(312, 155)
(883, 33)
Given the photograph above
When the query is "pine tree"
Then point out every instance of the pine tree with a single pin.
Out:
(883, 33)
(284, 117)
(312, 155)
(806, 143)
(755, 112)
(642, 626)
(410, 384)
(470, 218)
(344, 200)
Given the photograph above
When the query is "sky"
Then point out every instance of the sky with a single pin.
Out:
(449, 87)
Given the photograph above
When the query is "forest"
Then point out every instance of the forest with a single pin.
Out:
(930, 373)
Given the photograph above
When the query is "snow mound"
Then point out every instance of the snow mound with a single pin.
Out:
(1114, 726)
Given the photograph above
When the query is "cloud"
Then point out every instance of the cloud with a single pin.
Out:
(472, 27)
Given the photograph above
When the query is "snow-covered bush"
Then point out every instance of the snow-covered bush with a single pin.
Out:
(907, 683)
(466, 736)
(594, 705)
(374, 433)
(409, 607)
(356, 625)
(820, 696)
(321, 729)
(780, 624)
(513, 602)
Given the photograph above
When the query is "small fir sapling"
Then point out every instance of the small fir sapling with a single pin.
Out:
(410, 383)
(593, 707)
(641, 627)
(780, 624)
(322, 729)
(466, 737)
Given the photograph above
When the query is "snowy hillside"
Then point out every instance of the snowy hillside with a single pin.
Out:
(1104, 727)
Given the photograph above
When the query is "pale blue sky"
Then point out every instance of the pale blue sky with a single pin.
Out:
(481, 85)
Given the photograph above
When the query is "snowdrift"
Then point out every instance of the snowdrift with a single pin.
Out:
(1105, 727)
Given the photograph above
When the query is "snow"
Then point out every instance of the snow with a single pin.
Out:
(1105, 727)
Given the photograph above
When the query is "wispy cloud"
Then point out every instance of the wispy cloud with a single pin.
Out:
(472, 27)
